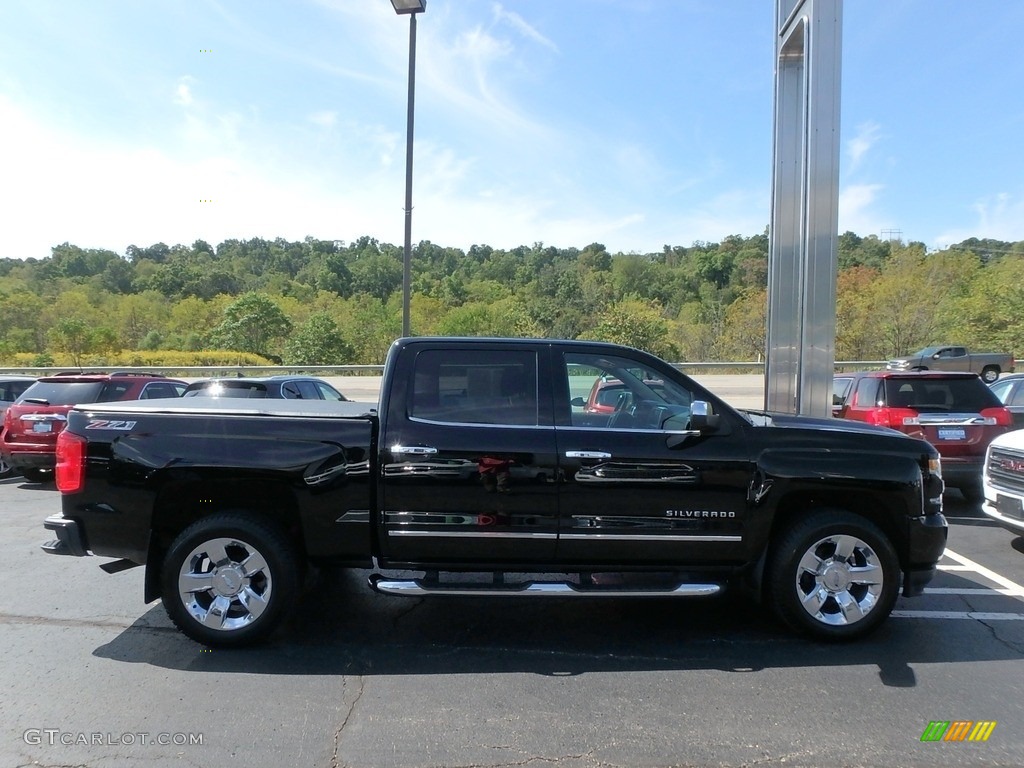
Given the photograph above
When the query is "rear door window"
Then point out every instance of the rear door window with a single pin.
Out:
(476, 387)
(161, 389)
(307, 390)
(113, 391)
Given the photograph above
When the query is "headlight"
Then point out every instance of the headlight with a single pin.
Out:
(935, 466)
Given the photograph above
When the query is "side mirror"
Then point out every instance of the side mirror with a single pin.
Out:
(702, 417)
(702, 420)
(578, 402)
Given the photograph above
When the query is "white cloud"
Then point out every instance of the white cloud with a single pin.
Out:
(523, 27)
(183, 92)
(324, 118)
(866, 137)
(61, 187)
(998, 216)
(855, 209)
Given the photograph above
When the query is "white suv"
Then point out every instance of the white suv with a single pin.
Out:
(1004, 481)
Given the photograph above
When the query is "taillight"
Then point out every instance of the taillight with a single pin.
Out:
(999, 416)
(70, 471)
(895, 418)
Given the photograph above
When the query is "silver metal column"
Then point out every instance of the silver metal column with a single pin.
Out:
(805, 203)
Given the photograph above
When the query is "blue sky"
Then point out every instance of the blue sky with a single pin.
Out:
(634, 123)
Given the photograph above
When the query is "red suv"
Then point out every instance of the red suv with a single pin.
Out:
(955, 412)
(31, 425)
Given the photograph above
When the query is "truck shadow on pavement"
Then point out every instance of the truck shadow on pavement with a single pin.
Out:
(340, 627)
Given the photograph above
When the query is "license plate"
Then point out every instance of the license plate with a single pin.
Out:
(952, 433)
(42, 426)
(1009, 506)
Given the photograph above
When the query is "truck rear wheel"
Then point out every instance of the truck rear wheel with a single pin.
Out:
(229, 579)
(989, 373)
(834, 576)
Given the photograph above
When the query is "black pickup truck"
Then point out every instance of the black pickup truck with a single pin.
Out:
(501, 467)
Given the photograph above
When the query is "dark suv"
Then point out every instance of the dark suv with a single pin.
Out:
(955, 412)
(31, 425)
(283, 387)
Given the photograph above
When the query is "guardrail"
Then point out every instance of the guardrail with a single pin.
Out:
(376, 370)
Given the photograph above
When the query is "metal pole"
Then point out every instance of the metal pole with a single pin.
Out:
(406, 263)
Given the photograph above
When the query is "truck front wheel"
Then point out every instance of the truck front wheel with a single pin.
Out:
(833, 575)
(228, 579)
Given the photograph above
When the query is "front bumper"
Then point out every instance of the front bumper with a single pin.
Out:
(927, 541)
(1010, 523)
(69, 541)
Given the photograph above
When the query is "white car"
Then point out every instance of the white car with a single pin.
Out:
(1004, 481)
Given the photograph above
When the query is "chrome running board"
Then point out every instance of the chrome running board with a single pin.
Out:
(422, 587)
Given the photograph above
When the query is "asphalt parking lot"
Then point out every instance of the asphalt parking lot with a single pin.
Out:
(94, 677)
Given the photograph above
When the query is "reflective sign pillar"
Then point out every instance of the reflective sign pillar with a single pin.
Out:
(805, 204)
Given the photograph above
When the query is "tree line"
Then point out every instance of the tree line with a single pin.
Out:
(324, 302)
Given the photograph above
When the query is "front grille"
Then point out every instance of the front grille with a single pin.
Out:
(1006, 469)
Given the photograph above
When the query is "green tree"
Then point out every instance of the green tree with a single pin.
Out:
(252, 323)
(72, 336)
(318, 342)
(745, 322)
(636, 323)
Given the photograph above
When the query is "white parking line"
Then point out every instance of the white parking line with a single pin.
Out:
(1015, 589)
(1006, 588)
(976, 615)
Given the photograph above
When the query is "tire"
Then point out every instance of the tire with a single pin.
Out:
(36, 475)
(228, 580)
(990, 373)
(826, 596)
(5, 468)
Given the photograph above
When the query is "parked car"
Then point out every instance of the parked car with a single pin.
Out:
(1010, 391)
(608, 395)
(31, 425)
(11, 388)
(283, 387)
(955, 412)
(988, 365)
(1004, 481)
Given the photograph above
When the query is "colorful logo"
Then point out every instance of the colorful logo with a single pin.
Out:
(958, 730)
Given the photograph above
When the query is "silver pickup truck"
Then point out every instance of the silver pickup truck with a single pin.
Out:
(988, 365)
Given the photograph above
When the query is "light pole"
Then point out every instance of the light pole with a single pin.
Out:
(410, 7)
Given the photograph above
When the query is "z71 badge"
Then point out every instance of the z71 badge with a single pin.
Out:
(105, 424)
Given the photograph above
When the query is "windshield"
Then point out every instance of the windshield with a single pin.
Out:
(960, 395)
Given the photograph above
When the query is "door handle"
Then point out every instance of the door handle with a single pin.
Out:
(414, 450)
(587, 455)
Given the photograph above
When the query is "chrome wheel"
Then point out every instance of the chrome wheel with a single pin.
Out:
(839, 580)
(225, 584)
(230, 579)
(833, 575)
